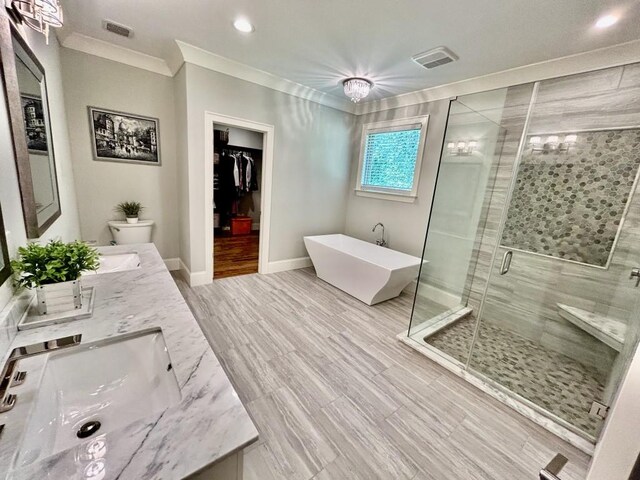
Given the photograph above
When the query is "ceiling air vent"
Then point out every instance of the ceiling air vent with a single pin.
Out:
(116, 28)
(436, 57)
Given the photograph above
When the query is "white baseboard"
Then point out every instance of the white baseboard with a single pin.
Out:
(194, 279)
(291, 264)
(201, 278)
(184, 271)
(172, 264)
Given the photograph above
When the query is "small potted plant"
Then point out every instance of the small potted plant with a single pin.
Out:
(53, 271)
(131, 210)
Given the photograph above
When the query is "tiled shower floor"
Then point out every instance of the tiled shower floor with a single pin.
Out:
(553, 381)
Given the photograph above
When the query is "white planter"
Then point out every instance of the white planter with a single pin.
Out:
(59, 297)
(132, 219)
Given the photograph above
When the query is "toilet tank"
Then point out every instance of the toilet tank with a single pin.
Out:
(127, 233)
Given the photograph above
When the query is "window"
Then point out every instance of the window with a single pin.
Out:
(390, 157)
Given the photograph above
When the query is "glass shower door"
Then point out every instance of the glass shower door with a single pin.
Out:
(467, 171)
(480, 147)
(559, 320)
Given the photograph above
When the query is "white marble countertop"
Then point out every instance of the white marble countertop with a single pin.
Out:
(208, 424)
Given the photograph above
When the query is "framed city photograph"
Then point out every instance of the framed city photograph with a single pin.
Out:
(34, 124)
(124, 137)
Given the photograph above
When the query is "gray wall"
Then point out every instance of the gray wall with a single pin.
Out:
(182, 156)
(94, 81)
(310, 170)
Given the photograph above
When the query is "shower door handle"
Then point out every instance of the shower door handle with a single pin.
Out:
(635, 272)
(506, 262)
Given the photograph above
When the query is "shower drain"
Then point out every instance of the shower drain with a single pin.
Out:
(88, 429)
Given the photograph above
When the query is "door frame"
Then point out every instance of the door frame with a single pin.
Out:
(210, 119)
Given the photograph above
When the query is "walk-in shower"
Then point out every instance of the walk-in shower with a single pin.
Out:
(533, 235)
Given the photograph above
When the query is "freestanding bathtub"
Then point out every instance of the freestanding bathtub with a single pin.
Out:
(366, 271)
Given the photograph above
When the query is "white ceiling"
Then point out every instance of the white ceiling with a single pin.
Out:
(317, 43)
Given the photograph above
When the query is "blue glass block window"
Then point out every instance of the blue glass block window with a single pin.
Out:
(390, 159)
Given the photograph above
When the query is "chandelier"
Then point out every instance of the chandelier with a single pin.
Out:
(356, 88)
(40, 14)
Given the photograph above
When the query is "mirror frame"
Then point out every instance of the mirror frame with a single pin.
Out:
(8, 33)
(5, 272)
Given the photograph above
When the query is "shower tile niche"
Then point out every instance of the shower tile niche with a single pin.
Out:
(570, 204)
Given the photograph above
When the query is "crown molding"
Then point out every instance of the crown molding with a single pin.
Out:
(198, 56)
(211, 61)
(100, 48)
(614, 56)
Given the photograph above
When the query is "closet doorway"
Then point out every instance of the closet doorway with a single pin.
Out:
(213, 122)
(237, 174)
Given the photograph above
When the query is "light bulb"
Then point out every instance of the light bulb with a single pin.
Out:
(534, 140)
(570, 138)
(243, 25)
(552, 139)
(606, 21)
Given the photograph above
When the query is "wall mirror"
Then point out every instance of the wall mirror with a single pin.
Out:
(26, 91)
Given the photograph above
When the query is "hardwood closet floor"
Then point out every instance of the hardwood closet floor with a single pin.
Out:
(335, 396)
(235, 255)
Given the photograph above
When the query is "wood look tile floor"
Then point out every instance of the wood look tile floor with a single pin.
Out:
(235, 255)
(335, 396)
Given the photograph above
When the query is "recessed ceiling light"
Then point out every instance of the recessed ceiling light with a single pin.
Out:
(243, 25)
(606, 21)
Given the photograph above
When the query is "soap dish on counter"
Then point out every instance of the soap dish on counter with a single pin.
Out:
(33, 319)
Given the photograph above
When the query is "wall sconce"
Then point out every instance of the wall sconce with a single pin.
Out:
(461, 147)
(40, 15)
(552, 143)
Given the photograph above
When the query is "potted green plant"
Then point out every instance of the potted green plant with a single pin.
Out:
(131, 210)
(53, 270)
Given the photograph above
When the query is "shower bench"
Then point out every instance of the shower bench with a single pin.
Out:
(607, 330)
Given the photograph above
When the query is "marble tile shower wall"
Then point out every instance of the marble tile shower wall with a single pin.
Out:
(569, 205)
(524, 300)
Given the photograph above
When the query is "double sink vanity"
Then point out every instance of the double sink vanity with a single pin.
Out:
(132, 392)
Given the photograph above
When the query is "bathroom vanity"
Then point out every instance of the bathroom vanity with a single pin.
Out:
(143, 388)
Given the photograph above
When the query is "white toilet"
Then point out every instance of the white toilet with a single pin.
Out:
(127, 233)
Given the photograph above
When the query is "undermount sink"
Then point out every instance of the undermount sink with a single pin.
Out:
(114, 382)
(121, 262)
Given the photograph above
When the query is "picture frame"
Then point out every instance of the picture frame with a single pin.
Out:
(124, 137)
(34, 124)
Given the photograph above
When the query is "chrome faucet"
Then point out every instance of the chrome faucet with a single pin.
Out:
(381, 241)
(12, 378)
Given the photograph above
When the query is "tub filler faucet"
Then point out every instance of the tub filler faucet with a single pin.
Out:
(381, 241)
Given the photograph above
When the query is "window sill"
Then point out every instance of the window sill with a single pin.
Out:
(396, 197)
